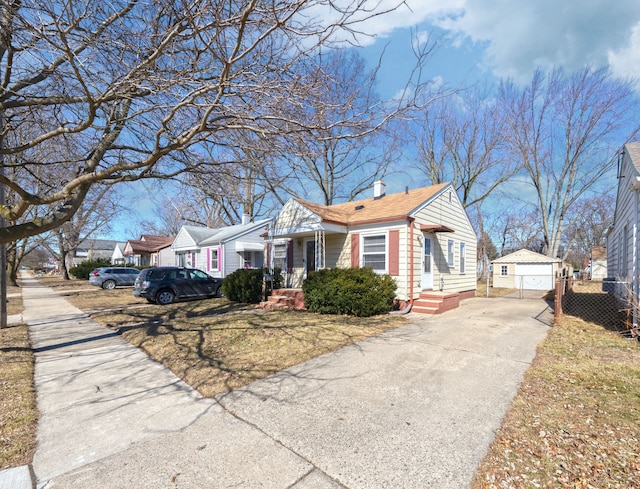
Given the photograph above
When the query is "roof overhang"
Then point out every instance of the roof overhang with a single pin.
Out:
(435, 228)
(307, 229)
(247, 246)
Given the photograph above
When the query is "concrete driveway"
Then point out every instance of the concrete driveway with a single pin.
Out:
(413, 408)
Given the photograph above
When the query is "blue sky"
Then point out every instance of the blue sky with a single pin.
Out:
(487, 39)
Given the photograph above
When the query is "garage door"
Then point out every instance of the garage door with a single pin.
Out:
(534, 276)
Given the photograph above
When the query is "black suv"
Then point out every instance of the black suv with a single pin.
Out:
(164, 285)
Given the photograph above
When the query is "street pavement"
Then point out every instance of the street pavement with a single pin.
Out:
(416, 407)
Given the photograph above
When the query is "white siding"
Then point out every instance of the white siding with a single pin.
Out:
(620, 240)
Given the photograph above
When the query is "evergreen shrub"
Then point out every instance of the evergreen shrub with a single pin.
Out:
(246, 285)
(353, 291)
(82, 270)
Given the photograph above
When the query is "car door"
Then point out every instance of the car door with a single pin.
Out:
(203, 284)
(130, 275)
(117, 275)
(182, 284)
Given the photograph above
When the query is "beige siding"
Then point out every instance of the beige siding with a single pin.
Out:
(374, 229)
(451, 214)
(504, 281)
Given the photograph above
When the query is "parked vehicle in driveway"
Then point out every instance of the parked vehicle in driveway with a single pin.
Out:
(111, 277)
(164, 285)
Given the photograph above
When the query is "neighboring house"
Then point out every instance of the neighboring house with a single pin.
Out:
(117, 255)
(222, 251)
(598, 263)
(149, 250)
(525, 269)
(422, 238)
(623, 236)
(93, 249)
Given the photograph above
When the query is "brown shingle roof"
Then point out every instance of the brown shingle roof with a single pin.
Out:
(385, 208)
(149, 243)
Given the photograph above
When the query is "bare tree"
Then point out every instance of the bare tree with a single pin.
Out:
(133, 87)
(564, 129)
(94, 216)
(458, 139)
(520, 229)
(346, 144)
(589, 220)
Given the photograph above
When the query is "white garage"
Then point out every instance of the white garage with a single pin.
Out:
(525, 269)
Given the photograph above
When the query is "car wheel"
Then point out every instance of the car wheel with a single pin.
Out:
(219, 292)
(109, 284)
(165, 297)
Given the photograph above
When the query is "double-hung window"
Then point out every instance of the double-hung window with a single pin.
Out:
(374, 252)
(214, 264)
(280, 256)
(450, 253)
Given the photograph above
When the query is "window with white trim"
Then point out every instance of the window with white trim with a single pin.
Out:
(280, 256)
(462, 257)
(214, 263)
(450, 252)
(374, 252)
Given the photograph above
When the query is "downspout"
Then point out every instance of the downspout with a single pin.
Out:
(408, 308)
(635, 295)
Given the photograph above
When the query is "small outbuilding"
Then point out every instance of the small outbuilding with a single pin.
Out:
(525, 269)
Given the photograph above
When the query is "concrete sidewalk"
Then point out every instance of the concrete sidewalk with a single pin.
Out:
(415, 407)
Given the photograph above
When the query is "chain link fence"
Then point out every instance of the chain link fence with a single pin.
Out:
(596, 301)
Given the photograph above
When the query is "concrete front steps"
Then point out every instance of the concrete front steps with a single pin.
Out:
(284, 299)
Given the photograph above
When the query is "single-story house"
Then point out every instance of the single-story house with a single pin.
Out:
(422, 238)
(525, 269)
(623, 237)
(93, 249)
(117, 255)
(598, 263)
(149, 250)
(222, 251)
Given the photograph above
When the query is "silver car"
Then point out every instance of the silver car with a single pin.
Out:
(111, 277)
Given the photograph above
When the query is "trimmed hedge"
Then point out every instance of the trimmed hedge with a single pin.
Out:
(82, 270)
(354, 291)
(246, 285)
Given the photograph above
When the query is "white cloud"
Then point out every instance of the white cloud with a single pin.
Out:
(521, 36)
(625, 61)
(397, 14)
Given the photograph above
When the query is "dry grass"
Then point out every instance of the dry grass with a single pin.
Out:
(574, 423)
(18, 413)
(216, 346)
(481, 290)
(14, 300)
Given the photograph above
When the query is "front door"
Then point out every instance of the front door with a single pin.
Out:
(310, 256)
(427, 263)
